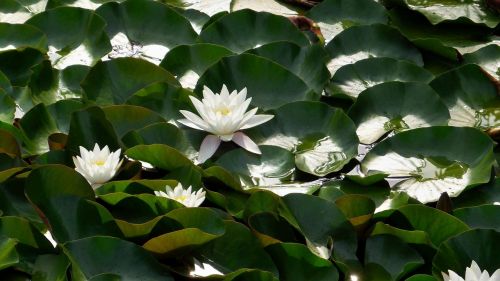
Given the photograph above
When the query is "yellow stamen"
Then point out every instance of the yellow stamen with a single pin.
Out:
(223, 111)
(99, 162)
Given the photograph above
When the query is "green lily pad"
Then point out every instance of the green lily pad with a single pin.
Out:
(37, 124)
(113, 82)
(439, 225)
(12, 11)
(322, 138)
(280, 8)
(160, 156)
(295, 263)
(272, 167)
(75, 36)
(93, 256)
(472, 97)
(126, 118)
(232, 30)
(396, 107)
(145, 29)
(228, 254)
(61, 112)
(51, 267)
(389, 258)
(488, 58)
(416, 237)
(333, 16)
(161, 133)
(442, 10)
(485, 216)
(5, 83)
(8, 106)
(20, 36)
(434, 160)
(198, 227)
(484, 194)
(306, 62)
(378, 41)
(302, 211)
(8, 253)
(479, 245)
(16, 65)
(269, 84)
(352, 79)
(64, 200)
(189, 62)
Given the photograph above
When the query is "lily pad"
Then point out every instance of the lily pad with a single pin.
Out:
(37, 125)
(113, 82)
(13, 12)
(269, 84)
(126, 118)
(189, 62)
(75, 36)
(396, 107)
(232, 30)
(322, 138)
(145, 29)
(20, 36)
(8, 106)
(378, 41)
(93, 256)
(432, 161)
(442, 10)
(271, 168)
(484, 216)
(472, 97)
(352, 79)
(488, 58)
(333, 16)
(306, 62)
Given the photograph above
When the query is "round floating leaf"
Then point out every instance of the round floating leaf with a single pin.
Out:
(96, 255)
(160, 156)
(64, 199)
(145, 29)
(272, 167)
(75, 35)
(271, 6)
(295, 263)
(189, 62)
(161, 133)
(38, 125)
(485, 216)
(437, 224)
(421, 277)
(232, 31)
(437, 160)
(209, 7)
(237, 249)
(306, 62)
(20, 36)
(269, 84)
(472, 97)
(8, 106)
(114, 81)
(479, 245)
(8, 253)
(61, 112)
(17, 64)
(333, 16)
(352, 79)
(88, 127)
(198, 226)
(5, 83)
(250, 275)
(391, 256)
(162, 98)
(396, 107)
(378, 41)
(417, 237)
(51, 267)
(484, 194)
(442, 10)
(126, 118)
(302, 211)
(322, 138)
(358, 209)
(335, 189)
(13, 12)
(488, 58)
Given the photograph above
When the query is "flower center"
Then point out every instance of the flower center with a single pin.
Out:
(99, 162)
(181, 198)
(223, 111)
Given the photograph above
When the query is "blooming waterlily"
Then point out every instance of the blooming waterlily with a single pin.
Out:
(186, 197)
(223, 116)
(97, 166)
(472, 273)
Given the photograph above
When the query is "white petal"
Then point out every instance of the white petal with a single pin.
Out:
(257, 120)
(195, 119)
(454, 276)
(190, 124)
(208, 148)
(495, 276)
(244, 141)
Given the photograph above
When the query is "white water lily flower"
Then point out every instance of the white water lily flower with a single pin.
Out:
(472, 273)
(223, 116)
(97, 166)
(184, 196)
